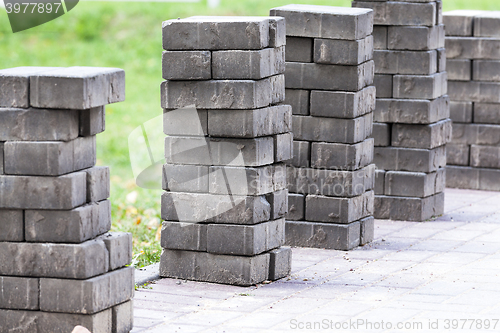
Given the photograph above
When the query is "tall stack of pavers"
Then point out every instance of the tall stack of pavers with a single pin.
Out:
(59, 266)
(412, 124)
(473, 52)
(228, 134)
(329, 83)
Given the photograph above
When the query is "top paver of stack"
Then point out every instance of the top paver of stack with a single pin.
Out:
(409, 12)
(468, 23)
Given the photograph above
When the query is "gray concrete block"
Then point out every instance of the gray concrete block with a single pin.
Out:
(333, 236)
(422, 136)
(461, 112)
(341, 156)
(476, 134)
(485, 113)
(185, 121)
(379, 182)
(11, 225)
(405, 159)
(382, 134)
(439, 12)
(184, 236)
(119, 246)
(416, 38)
(283, 147)
(250, 123)
(334, 130)
(38, 125)
(485, 156)
(29, 192)
(486, 70)
(77, 88)
(296, 207)
(414, 184)
(277, 32)
(98, 183)
(217, 268)
(87, 296)
(185, 178)
(65, 261)
(92, 121)
(473, 178)
(186, 65)
(123, 317)
(19, 293)
(280, 263)
(335, 183)
(474, 91)
(472, 48)
(277, 89)
(414, 111)
(218, 33)
(409, 209)
(279, 203)
(405, 62)
(459, 22)
(441, 59)
(383, 85)
(459, 69)
(49, 158)
(420, 86)
(328, 77)
(219, 151)
(202, 207)
(401, 13)
(367, 230)
(339, 210)
(457, 154)
(299, 49)
(343, 52)
(380, 37)
(301, 154)
(341, 104)
(1, 158)
(325, 21)
(248, 64)
(487, 24)
(68, 226)
(299, 100)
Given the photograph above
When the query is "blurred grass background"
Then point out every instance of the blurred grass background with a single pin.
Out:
(128, 35)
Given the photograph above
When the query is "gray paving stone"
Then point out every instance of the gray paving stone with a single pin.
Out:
(301, 154)
(441, 58)
(334, 130)
(486, 70)
(457, 154)
(38, 124)
(485, 156)
(92, 121)
(1, 158)
(219, 151)
(479, 134)
(461, 112)
(341, 156)
(380, 38)
(296, 207)
(379, 182)
(277, 89)
(49, 158)
(342, 104)
(98, 183)
(185, 121)
(119, 246)
(11, 225)
(485, 113)
(250, 123)
(472, 178)
(487, 24)
(226, 269)
(414, 184)
(415, 111)
(459, 22)
(187, 65)
(409, 209)
(367, 230)
(123, 317)
(334, 183)
(382, 134)
(472, 48)
(299, 49)
(326, 21)
(280, 263)
(329, 77)
(66, 261)
(277, 32)
(399, 13)
(87, 296)
(279, 203)
(185, 178)
(339, 210)
(405, 159)
(68, 226)
(405, 62)
(77, 88)
(323, 235)
(299, 100)
(420, 86)
(474, 91)
(343, 52)
(19, 293)
(459, 69)
(283, 147)
(184, 236)
(422, 136)
(30, 192)
(416, 38)
(248, 64)
(202, 207)
(383, 84)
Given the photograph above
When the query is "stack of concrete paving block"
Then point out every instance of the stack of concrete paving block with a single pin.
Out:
(228, 135)
(411, 120)
(473, 52)
(59, 265)
(329, 83)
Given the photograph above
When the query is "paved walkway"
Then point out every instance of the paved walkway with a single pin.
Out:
(439, 276)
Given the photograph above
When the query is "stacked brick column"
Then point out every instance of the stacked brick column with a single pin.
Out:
(59, 266)
(473, 52)
(224, 174)
(412, 124)
(329, 83)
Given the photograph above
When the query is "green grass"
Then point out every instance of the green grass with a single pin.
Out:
(128, 35)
